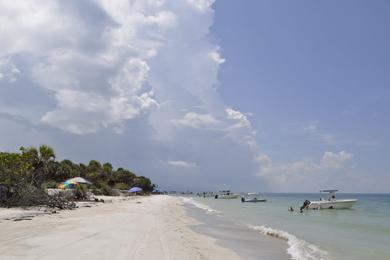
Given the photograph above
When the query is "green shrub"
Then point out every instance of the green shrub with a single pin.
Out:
(50, 184)
(121, 186)
(95, 190)
(106, 190)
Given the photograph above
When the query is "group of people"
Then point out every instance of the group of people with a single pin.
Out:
(304, 206)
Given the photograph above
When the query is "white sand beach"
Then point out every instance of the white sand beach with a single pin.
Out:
(154, 227)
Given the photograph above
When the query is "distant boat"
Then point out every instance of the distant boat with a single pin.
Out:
(226, 194)
(330, 203)
(205, 194)
(252, 197)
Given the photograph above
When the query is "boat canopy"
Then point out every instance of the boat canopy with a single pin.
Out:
(329, 190)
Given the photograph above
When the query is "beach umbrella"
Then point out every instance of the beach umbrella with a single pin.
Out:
(67, 185)
(134, 190)
(71, 183)
(77, 180)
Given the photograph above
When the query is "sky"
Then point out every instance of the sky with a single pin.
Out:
(271, 96)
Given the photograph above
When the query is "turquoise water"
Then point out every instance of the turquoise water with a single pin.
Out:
(362, 232)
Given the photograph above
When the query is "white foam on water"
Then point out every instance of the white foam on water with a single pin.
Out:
(298, 249)
(198, 205)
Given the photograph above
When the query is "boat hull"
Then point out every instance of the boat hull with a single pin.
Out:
(337, 204)
(226, 197)
(254, 200)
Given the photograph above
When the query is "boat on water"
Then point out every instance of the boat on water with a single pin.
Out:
(226, 194)
(252, 197)
(329, 203)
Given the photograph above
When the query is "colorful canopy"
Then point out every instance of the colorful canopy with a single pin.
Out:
(135, 189)
(71, 183)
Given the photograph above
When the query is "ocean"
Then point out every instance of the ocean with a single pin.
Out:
(362, 232)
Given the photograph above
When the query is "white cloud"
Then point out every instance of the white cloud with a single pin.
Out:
(8, 71)
(196, 120)
(241, 121)
(335, 160)
(304, 171)
(33, 26)
(112, 70)
(99, 66)
(202, 5)
(216, 56)
(329, 160)
(184, 164)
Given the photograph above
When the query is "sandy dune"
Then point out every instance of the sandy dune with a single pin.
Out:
(156, 228)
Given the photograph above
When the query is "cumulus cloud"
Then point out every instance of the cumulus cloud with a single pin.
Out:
(216, 56)
(97, 68)
(202, 5)
(335, 160)
(196, 120)
(105, 68)
(179, 163)
(306, 170)
(329, 160)
(241, 120)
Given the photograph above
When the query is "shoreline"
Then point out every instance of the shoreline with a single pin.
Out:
(246, 242)
(152, 227)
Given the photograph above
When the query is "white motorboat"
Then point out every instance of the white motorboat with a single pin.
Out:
(226, 194)
(252, 197)
(330, 203)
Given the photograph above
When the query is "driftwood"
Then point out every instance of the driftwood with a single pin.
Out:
(27, 196)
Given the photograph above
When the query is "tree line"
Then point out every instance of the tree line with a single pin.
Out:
(37, 168)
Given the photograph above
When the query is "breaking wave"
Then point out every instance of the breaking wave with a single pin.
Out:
(198, 204)
(298, 249)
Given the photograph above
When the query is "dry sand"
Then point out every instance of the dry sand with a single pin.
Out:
(155, 227)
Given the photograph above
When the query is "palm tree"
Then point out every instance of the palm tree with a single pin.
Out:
(39, 162)
(46, 154)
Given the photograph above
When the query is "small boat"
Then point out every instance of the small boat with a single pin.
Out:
(205, 194)
(252, 197)
(330, 203)
(226, 194)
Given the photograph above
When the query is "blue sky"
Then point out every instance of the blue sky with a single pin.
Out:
(204, 95)
(293, 64)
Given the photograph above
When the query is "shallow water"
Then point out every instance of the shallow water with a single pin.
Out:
(244, 241)
(362, 232)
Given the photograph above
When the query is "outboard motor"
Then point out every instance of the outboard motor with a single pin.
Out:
(242, 199)
(306, 203)
(216, 196)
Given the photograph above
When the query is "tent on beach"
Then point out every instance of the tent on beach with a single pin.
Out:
(135, 190)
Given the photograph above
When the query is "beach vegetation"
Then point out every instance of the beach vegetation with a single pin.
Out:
(25, 176)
